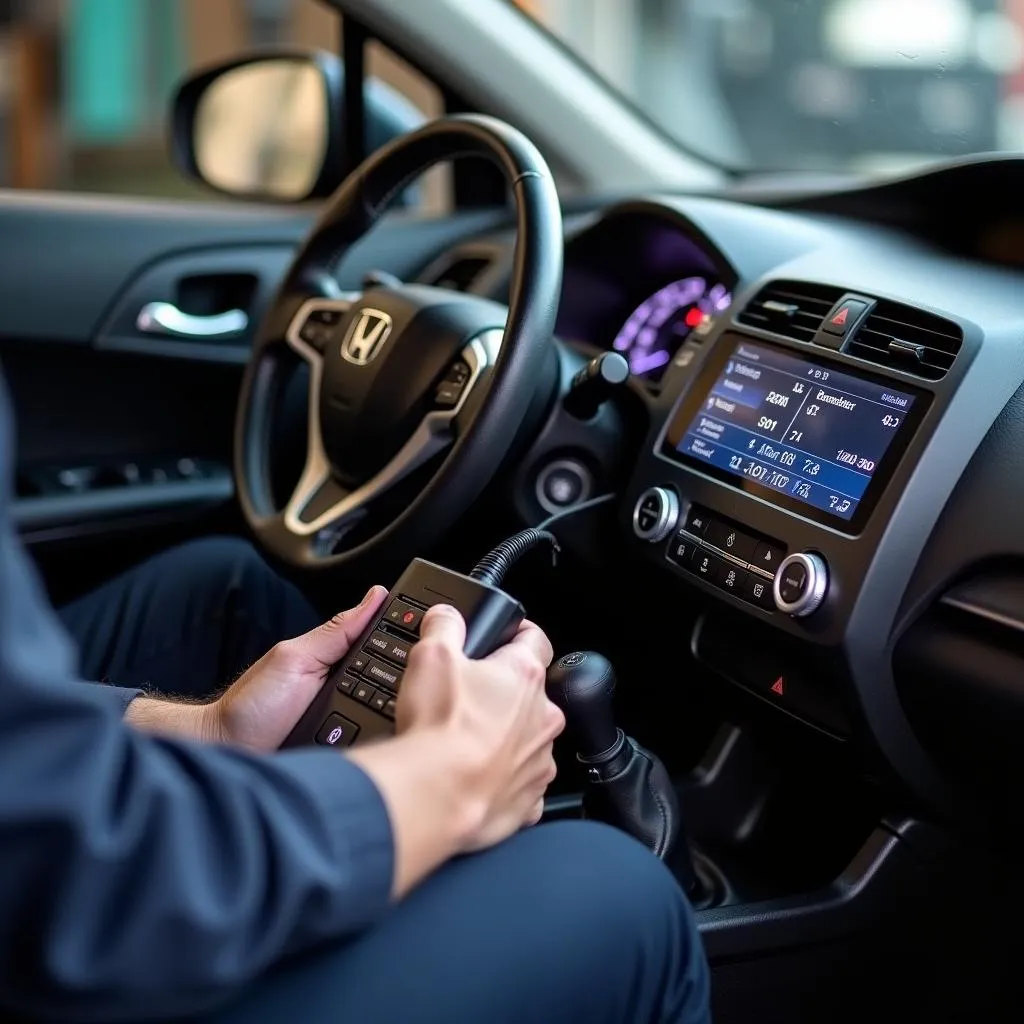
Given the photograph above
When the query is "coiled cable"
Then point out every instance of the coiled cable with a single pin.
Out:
(494, 566)
(491, 569)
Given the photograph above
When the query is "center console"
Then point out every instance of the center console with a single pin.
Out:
(773, 469)
(798, 433)
(790, 486)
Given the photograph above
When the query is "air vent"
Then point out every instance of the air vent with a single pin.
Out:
(907, 339)
(460, 273)
(794, 309)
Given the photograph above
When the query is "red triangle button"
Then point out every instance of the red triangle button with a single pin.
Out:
(840, 318)
(778, 687)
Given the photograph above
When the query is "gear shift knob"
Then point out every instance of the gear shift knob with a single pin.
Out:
(582, 684)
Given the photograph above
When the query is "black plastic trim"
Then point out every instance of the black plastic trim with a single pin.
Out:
(34, 516)
(887, 872)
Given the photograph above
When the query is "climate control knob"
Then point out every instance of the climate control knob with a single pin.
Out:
(655, 514)
(801, 583)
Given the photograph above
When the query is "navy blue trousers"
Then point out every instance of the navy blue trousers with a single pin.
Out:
(564, 923)
(187, 622)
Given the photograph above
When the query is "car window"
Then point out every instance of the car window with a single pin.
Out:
(779, 85)
(85, 84)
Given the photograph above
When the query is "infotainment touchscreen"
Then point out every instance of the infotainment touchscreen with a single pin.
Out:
(801, 432)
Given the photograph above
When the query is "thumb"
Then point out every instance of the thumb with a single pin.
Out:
(331, 641)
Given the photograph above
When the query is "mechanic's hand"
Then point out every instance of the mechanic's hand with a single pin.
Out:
(495, 716)
(262, 707)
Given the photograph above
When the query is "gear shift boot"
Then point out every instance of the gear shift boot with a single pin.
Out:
(624, 785)
(631, 790)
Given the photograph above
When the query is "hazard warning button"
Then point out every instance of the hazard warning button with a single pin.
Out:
(844, 318)
(781, 673)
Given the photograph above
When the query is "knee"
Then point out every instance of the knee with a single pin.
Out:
(219, 566)
(220, 556)
(611, 876)
(232, 575)
(591, 889)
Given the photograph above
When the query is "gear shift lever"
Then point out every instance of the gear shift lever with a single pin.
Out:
(626, 785)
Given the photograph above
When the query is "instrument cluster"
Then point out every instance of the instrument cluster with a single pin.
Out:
(640, 284)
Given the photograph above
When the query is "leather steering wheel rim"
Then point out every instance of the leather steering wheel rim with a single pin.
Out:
(502, 391)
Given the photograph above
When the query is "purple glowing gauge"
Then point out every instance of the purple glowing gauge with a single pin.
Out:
(659, 325)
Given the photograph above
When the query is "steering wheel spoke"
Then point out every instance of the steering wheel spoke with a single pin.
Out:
(316, 326)
(479, 356)
(321, 504)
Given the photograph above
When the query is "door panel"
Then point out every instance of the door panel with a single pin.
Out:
(199, 305)
(66, 258)
(125, 431)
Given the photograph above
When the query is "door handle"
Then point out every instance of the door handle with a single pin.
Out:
(166, 318)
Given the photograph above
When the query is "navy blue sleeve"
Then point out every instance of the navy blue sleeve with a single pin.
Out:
(143, 878)
(119, 697)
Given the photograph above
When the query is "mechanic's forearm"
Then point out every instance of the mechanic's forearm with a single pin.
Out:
(174, 720)
(419, 777)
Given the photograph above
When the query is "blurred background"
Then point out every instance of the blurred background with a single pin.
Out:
(767, 84)
(812, 84)
(85, 84)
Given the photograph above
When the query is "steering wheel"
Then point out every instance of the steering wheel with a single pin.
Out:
(408, 384)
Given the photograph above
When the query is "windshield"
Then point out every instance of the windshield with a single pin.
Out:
(810, 84)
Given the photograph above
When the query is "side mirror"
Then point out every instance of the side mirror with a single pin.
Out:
(271, 126)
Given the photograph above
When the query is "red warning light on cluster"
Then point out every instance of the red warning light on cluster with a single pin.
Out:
(694, 317)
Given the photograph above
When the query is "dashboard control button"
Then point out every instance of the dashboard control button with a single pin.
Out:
(447, 395)
(845, 316)
(697, 521)
(337, 731)
(767, 557)
(758, 590)
(793, 582)
(358, 662)
(404, 615)
(562, 484)
(710, 566)
(655, 514)
(801, 584)
(378, 643)
(727, 538)
(363, 692)
(329, 316)
(732, 578)
(319, 328)
(391, 647)
(389, 708)
(380, 701)
(384, 675)
(449, 391)
(386, 646)
(347, 683)
(681, 551)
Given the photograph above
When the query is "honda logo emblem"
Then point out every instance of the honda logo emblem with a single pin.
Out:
(366, 337)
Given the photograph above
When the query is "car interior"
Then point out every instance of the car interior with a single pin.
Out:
(774, 424)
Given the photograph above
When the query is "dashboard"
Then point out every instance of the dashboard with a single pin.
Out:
(641, 288)
(829, 447)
